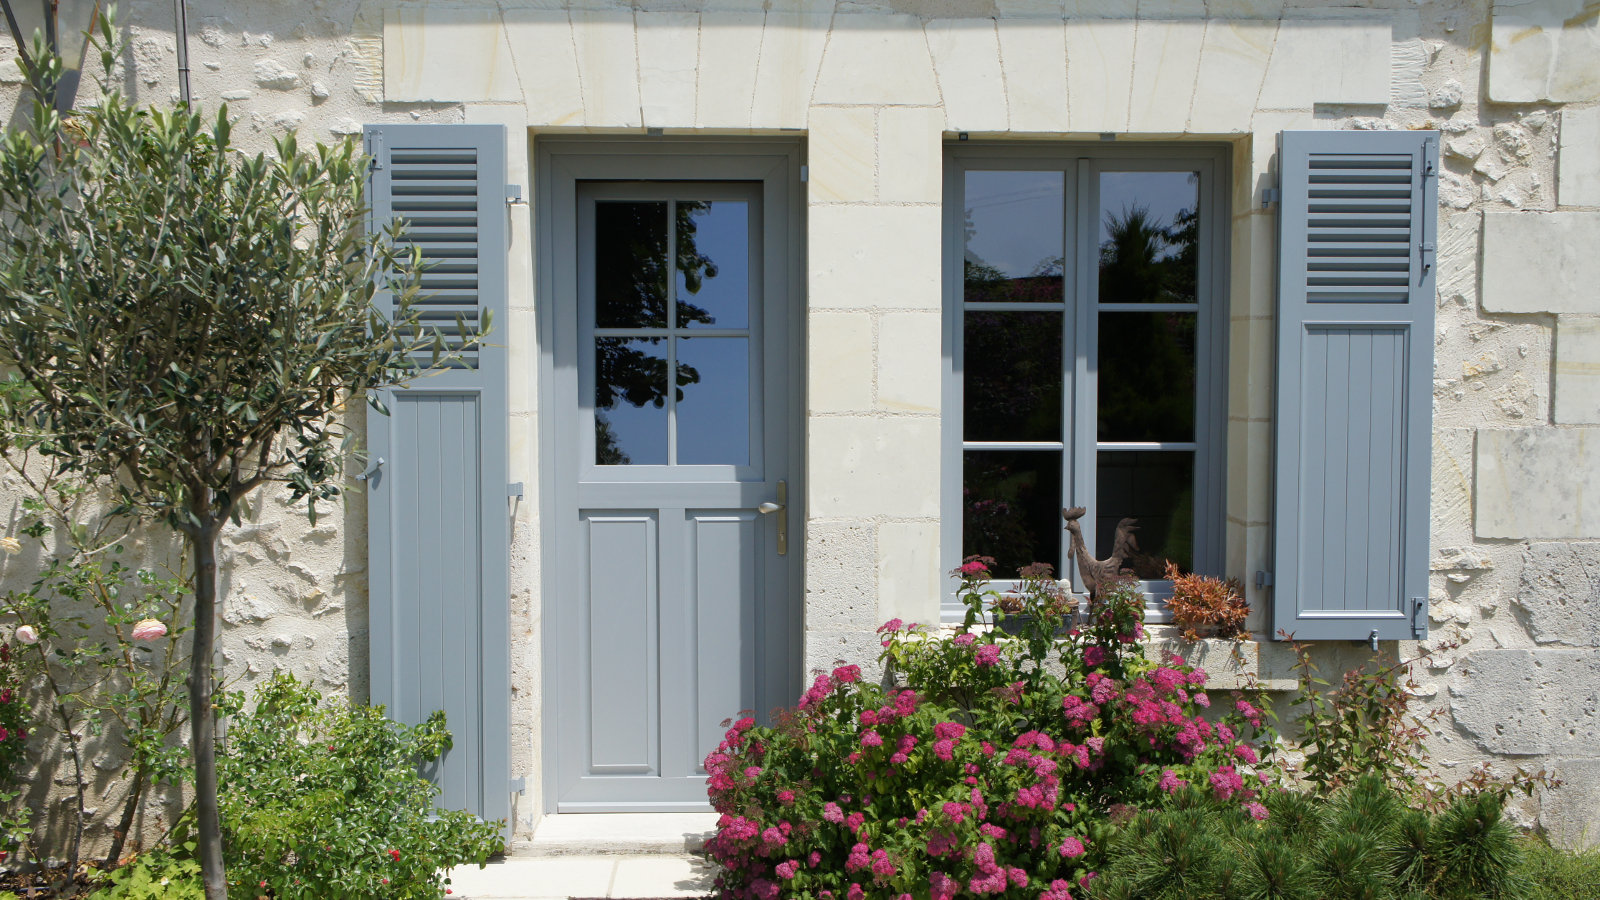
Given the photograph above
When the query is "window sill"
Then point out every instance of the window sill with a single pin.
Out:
(1228, 664)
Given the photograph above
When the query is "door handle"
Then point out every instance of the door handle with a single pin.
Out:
(780, 505)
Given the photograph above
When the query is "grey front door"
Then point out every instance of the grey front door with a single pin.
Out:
(675, 608)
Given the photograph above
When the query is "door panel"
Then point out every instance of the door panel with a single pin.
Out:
(724, 623)
(621, 568)
(679, 431)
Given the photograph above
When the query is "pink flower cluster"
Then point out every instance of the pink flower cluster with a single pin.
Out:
(842, 775)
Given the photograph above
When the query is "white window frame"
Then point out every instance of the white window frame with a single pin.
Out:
(1081, 165)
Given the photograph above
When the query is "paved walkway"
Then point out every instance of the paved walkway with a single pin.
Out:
(624, 855)
(560, 877)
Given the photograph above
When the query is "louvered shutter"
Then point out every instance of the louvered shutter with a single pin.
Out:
(1353, 415)
(438, 526)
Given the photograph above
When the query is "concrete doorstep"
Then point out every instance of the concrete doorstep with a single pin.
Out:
(622, 855)
(561, 877)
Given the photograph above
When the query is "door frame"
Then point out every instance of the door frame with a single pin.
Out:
(559, 163)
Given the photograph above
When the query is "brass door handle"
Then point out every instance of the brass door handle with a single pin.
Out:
(781, 504)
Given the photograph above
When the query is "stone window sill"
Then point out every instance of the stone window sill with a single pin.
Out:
(1228, 665)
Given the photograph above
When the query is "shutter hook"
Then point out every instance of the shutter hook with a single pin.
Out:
(1372, 640)
(370, 469)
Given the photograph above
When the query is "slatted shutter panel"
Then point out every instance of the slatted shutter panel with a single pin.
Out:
(1354, 409)
(438, 526)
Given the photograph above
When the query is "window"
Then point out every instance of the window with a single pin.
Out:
(1085, 325)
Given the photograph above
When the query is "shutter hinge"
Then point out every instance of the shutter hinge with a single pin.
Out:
(1419, 617)
(514, 195)
(805, 174)
(1270, 196)
(519, 785)
(1263, 580)
(514, 489)
(375, 149)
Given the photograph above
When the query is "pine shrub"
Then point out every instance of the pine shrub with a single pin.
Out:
(1361, 843)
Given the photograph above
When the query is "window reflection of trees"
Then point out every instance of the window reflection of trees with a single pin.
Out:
(1147, 380)
(632, 272)
(1013, 376)
(987, 283)
(1014, 379)
(1010, 508)
(1147, 360)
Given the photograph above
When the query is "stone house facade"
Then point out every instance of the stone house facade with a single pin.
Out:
(889, 202)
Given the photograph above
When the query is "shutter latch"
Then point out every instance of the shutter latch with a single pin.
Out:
(1270, 196)
(372, 469)
(1419, 617)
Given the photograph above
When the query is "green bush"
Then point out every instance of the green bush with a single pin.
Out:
(1555, 874)
(1361, 843)
(156, 875)
(322, 799)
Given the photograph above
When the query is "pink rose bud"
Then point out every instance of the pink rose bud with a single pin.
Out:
(27, 635)
(148, 630)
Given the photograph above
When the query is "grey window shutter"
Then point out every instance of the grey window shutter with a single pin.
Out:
(438, 528)
(1354, 408)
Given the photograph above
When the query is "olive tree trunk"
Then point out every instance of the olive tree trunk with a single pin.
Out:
(202, 716)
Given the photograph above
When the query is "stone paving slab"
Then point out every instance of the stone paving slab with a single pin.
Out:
(561, 877)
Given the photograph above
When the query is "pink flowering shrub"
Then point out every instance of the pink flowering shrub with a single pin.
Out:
(986, 767)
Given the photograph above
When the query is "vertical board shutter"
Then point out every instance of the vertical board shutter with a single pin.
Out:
(438, 526)
(1354, 409)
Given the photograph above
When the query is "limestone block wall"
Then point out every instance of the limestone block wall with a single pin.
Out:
(876, 87)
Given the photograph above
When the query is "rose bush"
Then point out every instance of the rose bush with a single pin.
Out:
(988, 764)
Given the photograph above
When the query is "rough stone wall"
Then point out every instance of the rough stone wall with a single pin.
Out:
(877, 86)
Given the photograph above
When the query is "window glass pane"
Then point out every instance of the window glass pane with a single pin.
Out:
(713, 401)
(1149, 236)
(1157, 488)
(630, 265)
(713, 263)
(1147, 376)
(1012, 385)
(630, 401)
(1011, 508)
(1014, 236)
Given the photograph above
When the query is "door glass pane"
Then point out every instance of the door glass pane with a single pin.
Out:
(1149, 236)
(1014, 236)
(713, 401)
(1157, 488)
(1146, 378)
(1011, 508)
(630, 401)
(713, 263)
(630, 265)
(1012, 384)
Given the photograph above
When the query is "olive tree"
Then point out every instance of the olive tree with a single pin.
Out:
(189, 323)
